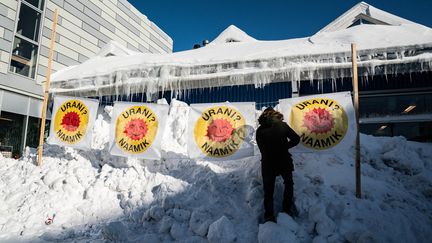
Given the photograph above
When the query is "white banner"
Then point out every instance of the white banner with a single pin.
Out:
(324, 122)
(221, 131)
(72, 122)
(137, 129)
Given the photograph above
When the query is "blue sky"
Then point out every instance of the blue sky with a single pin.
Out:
(191, 21)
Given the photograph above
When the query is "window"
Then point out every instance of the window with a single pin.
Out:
(28, 23)
(36, 3)
(33, 131)
(395, 105)
(11, 131)
(414, 131)
(230, 40)
(23, 60)
(26, 41)
(360, 21)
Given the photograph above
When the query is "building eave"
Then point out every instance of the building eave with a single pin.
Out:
(161, 78)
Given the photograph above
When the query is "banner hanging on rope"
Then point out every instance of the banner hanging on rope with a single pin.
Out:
(221, 131)
(324, 122)
(72, 122)
(136, 129)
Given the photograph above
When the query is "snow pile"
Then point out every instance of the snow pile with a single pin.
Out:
(174, 140)
(93, 196)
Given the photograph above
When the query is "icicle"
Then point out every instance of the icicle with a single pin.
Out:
(179, 79)
(164, 72)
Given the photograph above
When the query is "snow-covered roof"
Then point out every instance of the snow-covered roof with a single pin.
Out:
(113, 48)
(402, 48)
(232, 34)
(366, 12)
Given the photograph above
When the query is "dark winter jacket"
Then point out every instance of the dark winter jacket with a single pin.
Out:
(274, 138)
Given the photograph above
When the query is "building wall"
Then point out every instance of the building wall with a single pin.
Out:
(8, 9)
(12, 84)
(83, 27)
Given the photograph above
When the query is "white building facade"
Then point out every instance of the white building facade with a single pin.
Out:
(83, 28)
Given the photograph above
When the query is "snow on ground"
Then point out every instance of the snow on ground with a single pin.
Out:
(94, 196)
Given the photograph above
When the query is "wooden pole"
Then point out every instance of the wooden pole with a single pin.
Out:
(46, 91)
(356, 108)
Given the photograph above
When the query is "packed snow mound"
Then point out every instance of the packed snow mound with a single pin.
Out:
(93, 196)
(232, 34)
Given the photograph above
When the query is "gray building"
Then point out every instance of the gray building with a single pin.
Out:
(83, 28)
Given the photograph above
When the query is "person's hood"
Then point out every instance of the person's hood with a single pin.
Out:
(268, 121)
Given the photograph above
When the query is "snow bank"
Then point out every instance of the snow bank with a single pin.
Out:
(93, 196)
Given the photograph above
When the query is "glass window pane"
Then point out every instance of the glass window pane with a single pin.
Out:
(377, 129)
(33, 131)
(37, 3)
(11, 131)
(29, 22)
(23, 60)
(415, 131)
(395, 105)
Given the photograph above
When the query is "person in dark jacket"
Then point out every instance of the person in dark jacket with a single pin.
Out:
(274, 137)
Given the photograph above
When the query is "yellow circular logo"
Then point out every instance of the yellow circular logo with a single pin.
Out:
(220, 131)
(70, 121)
(136, 129)
(321, 123)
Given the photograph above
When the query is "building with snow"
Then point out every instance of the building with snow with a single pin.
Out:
(83, 28)
(394, 60)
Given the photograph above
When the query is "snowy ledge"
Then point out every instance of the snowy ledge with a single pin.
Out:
(151, 79)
